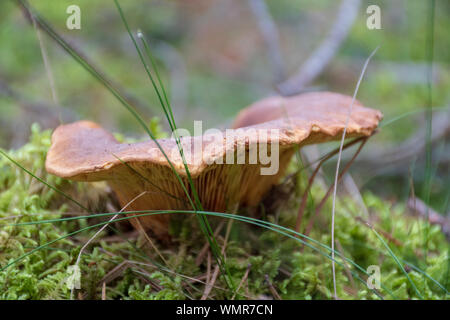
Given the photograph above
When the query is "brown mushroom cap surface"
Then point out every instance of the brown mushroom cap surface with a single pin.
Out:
(84, 151)
(327, 111)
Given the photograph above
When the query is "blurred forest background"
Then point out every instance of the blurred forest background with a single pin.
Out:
(217, 57)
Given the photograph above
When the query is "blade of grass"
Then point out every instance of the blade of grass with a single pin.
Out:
(409, 264)
(77, 262)
(336, 178)
(166, 108)
(396, 259)
(407, 114)
(47, 66)
(161, 85)
(204, 224)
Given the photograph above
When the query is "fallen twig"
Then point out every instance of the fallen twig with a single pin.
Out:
(210, 285)
(385, 234)
(272, 289)
(244, 278)
(204, 250)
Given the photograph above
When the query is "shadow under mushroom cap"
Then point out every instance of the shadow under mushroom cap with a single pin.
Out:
(84, 151)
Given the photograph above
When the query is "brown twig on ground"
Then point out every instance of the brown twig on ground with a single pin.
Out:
(187, 278)
(149, 241)
(204, 250)
(210, 285)
(243, 280)
(145, 276)
(385, 234)
(322, 56)
(115, 272)
(272, 289)
(419, 207)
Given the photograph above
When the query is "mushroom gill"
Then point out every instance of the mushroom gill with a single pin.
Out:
(228, 169)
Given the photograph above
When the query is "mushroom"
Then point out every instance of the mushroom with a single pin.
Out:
(231, 168)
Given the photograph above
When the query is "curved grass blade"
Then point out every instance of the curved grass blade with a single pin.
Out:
(407, 114)
(397, 261)
(264, 224)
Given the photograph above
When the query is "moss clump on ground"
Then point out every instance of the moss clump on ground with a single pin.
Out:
(270, 263)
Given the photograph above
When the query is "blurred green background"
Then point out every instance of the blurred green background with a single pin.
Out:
(214, 62)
